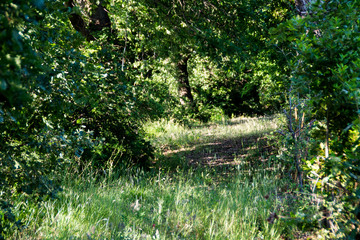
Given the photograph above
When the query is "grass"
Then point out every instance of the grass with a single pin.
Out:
(189, 202)
(238, 141)
(185, 206)
(167, 134)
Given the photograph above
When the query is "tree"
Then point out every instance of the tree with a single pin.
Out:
(64, 101)
(98, 19)
(231, 34)
(24, 162)
(325, 70)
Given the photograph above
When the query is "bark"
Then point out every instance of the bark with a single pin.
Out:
(98, 20)
(78, 23)
(186, 97)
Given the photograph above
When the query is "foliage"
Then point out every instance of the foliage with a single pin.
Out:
(62, 100)
(295, 144)
(225, 70)
(24, 153)
(75, 93)
(327, 59)
(93, 95)
(325, 69)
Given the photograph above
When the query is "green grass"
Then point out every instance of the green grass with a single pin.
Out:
(166, 206)
(170, 134)
(238, 141)
(167, 203)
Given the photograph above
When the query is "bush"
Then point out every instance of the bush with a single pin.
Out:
(62, 100)
(325, 70)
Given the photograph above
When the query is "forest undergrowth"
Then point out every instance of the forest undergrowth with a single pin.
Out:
(209, 181)
(79, 79)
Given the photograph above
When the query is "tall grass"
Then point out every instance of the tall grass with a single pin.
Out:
(184, 205)
(161, 204)
(168, 133)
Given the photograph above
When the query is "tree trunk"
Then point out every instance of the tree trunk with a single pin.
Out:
(99, 18)
(186, 97)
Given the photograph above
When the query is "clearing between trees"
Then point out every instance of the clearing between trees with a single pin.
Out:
(80, 79)
(211, 181)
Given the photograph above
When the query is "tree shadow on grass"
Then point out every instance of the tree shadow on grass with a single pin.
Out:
(250, 152)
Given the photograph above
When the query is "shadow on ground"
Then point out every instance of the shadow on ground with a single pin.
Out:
(247, 151)
(231, 122)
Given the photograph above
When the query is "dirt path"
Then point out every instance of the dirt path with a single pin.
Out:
(220, 152)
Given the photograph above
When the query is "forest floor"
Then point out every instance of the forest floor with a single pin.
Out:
(208, 181)
(221, 153)
(248, 144)
(241, 141)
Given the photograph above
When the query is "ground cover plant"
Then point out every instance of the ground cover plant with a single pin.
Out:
(220, 201)
(235, 138)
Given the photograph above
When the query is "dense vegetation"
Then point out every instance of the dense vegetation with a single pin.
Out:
(81, 80)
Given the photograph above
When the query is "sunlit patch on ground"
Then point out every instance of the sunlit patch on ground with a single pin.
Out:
(247, 145)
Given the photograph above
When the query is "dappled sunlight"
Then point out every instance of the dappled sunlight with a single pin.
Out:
(169, 135)
(239, 141)
(161, 206)
(131, 119)
(227, 152)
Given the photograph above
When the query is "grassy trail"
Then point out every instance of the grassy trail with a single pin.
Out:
(237, 142)
(212, 181)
